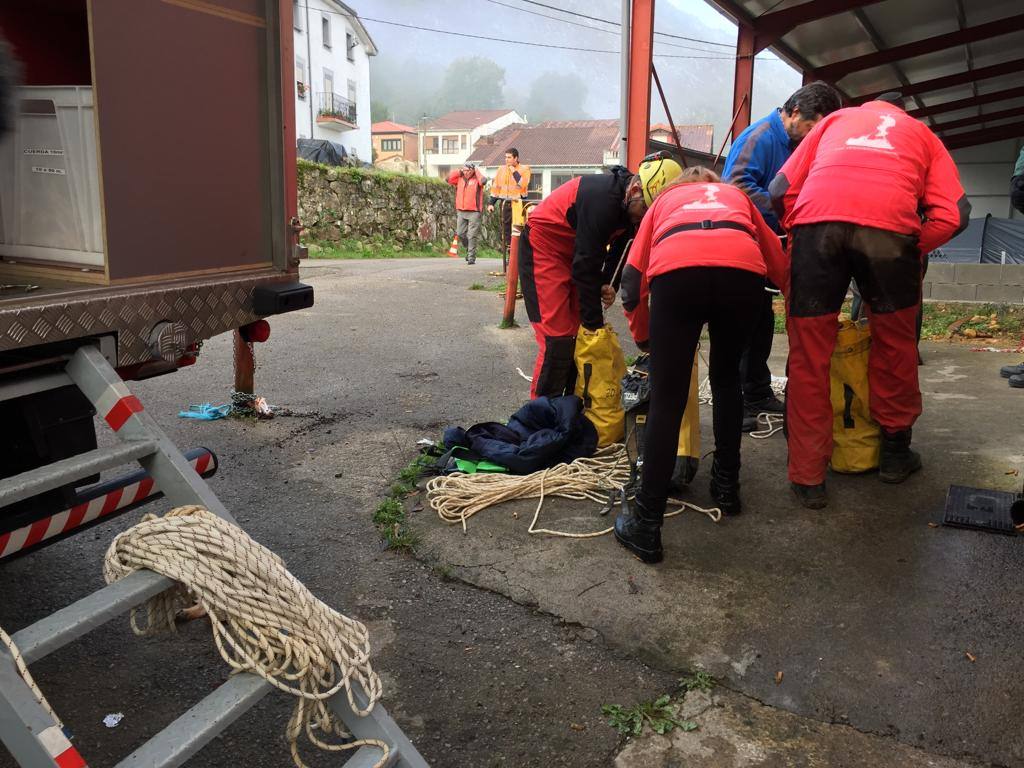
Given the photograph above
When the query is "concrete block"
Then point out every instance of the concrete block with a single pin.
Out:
(1013, 274)
(979, 274)
(926, 290)
(1001, 294)
(954, 292)
(941, 273)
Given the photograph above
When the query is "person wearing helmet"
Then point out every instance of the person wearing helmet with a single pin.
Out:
(701, 254)
(568, 253)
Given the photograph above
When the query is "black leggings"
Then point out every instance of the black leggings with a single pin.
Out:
(682, 301)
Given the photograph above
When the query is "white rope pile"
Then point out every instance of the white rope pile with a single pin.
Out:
(264, 620)
(457, 497)
(769, 423)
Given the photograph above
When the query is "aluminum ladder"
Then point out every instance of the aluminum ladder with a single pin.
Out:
(26, 729)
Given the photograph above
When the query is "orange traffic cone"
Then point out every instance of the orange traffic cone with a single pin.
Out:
(454, 250)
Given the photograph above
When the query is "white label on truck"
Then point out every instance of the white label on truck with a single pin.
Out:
(41, 169)
(48, 152)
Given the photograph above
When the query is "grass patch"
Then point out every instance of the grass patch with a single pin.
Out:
(698, 681)
(659, 715)
(390, 517)
(351, 249)
(506, 324)
(477, 287)
(972, 321)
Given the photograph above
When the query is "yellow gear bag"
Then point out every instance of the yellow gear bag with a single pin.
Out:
(600, 366)
(856, 437)
(689, 430)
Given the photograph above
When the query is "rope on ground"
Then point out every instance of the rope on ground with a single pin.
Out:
(265, 621)
(769, 423)
(22, 668)
(457, 497)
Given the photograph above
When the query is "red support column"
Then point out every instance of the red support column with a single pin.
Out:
(245, 365)
(743, 82)
(641, 51)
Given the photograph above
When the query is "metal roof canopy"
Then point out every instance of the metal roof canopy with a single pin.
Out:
(958, 61)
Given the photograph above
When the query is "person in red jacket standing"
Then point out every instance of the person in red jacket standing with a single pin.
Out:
(469, 199)
(868, 194)
(702, 253)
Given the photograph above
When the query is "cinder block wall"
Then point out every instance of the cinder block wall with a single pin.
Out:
(997, 283)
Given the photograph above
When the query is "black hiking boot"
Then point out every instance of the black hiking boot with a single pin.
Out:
(897, 462)
(725, 489)
(683, 474)
(811, 496)
(1017, 382)
(1012, 370)
(752, 408)
(638, 529)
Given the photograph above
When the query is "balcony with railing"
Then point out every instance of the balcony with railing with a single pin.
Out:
(334, 111)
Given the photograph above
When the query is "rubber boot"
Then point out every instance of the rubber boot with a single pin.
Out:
(1011, 370)
(811, 496)
(725, 488)
(897, 461)
(638, 528)
(683, 473)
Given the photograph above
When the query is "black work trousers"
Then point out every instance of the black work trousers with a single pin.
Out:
(682, 301)
(754, 371)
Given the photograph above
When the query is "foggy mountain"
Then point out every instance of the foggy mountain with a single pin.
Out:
(413, 74)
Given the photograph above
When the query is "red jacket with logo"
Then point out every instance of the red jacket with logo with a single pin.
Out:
(876, 166)
(697, 225)
(469, 193)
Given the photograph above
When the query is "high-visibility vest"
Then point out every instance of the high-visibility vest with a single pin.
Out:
(505, 185)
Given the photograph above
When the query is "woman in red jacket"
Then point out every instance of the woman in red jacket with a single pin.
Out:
(701, 253)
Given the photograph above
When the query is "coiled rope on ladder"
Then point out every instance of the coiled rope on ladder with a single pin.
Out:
(265, 621)
(457, 497)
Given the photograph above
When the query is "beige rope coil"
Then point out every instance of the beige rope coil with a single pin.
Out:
(22, 668)
(265, 621)
(457, 497)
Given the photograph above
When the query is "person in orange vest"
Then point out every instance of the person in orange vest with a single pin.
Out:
(469, 199)
(511, 182)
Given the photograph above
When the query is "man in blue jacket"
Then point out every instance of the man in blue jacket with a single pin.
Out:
(754, 158)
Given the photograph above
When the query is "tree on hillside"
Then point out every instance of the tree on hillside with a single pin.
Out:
(556, 96)
(379, 111)
(471, 83)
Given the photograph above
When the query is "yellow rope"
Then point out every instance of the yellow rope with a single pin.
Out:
(265, 621)
(457, 497)
(22, 669)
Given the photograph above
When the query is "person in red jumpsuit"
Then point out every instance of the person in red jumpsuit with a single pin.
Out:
(568, 253)
(701, 254)
(868, 194)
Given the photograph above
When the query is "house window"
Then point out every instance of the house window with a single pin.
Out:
(449, 145)
(391, 145)
(350, 46)
(352, 91)
(325, 30)
(297, 17)
(463, 141)
(328, 82)
(301, 84)
(432, 144)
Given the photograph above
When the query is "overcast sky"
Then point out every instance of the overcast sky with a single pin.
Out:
(697, 76)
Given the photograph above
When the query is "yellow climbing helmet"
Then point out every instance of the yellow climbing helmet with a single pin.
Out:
(655, 172)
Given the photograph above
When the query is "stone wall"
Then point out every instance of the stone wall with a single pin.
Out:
(367, 205)
(995, 283)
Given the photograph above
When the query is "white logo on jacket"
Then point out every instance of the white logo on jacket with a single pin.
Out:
(880, 140)
(710, 201)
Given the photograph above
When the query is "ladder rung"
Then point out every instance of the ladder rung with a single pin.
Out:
(46, 478)
(201, 724)
(60, 628)
(367, 757)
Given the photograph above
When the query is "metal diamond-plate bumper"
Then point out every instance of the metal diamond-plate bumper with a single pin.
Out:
(195, 309)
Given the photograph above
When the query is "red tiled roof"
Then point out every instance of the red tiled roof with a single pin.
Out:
(465, 119)
(386, 126)
(698, 137)
(556, 142)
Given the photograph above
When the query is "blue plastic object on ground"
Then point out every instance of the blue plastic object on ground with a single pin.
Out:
(206, 412)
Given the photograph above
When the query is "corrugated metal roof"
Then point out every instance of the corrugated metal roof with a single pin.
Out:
(866, 47)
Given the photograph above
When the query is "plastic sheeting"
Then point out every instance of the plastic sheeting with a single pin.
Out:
(322, 151)
(985, 241)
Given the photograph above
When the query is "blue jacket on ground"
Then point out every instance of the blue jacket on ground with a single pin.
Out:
(755, 158)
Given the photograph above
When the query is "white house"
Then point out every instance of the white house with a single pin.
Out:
(447, 141)
(332, 75)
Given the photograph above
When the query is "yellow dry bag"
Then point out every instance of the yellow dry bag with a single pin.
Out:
(856, 437)
(689, 430)
(600, 367)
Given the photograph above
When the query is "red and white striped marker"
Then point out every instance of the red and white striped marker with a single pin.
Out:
(86, 512)
(117, 404)
(60, 749)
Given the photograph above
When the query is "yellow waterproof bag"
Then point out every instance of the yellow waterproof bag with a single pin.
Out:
(856, 437)
(689, 430)
(600, 366)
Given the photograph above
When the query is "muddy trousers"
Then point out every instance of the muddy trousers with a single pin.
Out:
(549, 294)
(887, 268)
(682, 301)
